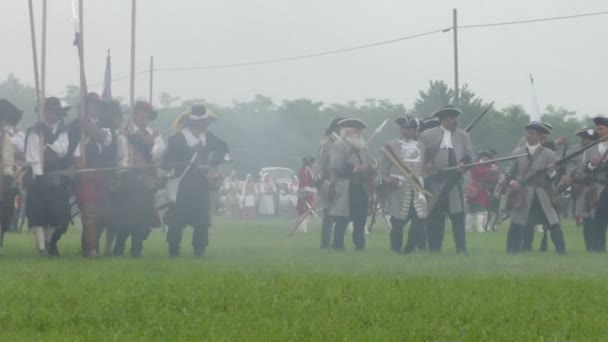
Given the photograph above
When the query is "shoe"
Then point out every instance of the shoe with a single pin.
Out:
(52, 249)
(43, 253)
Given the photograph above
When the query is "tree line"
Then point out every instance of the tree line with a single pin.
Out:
(262, 132)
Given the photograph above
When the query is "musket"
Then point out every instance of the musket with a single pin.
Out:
(564, 160)
(451, 171)
(378, 129)
(558, 163)
(481, 115)
(300, 220)
(482, 163)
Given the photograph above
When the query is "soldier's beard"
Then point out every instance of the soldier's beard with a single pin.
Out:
(356, 142)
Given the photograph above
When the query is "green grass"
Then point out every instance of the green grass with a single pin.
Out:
(258, 284)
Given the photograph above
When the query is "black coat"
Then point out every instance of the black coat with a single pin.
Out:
(192, 202)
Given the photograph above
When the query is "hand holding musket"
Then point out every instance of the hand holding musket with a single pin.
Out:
(405, 171)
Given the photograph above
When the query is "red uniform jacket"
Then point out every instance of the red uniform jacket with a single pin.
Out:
(306, 190)
(482, 178)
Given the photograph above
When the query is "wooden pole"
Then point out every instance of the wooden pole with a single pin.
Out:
(151, 80)
(456, 85)
(133, 25)
(41, 94)
(34, 50)
(83, 83)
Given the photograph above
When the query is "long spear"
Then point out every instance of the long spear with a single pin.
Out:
(34, 49)
(378, 129)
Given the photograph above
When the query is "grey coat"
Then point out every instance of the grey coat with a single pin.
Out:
(439, 158)
(399, 199)
(343, 161)
(322, 171)
(594, 182)
(545, 157)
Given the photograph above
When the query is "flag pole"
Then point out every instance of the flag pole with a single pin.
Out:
(83, 83)
(132, 86)
(34, 49)
(151, 79)
(133, 25)
(42, 94)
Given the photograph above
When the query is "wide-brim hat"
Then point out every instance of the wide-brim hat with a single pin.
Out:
(600, 121)
(447, 111)
(333, 124)
(539, 127)
(53, 105)
(200, 112)
(146, 107)
(9, 112)
(352, 123)
(408, 122)
(587, 133)
(428, 124)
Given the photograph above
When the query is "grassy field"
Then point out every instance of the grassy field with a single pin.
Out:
(258, 284)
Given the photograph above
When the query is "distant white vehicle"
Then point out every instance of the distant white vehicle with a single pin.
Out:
(282, 177)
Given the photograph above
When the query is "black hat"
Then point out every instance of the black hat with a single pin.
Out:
(600, 121)
(146, 107)
(333, 125)
(408, 122)
(53, 105)
(111, 108)
(93, 98)
(199, 112)
(308, 160)
(9, 112)
(428, 124)
(488, 154)
(352, 123)
(446, 111)
(587, 133)
(539, 127)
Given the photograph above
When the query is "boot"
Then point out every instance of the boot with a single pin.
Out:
(557, 236)
(514, 239)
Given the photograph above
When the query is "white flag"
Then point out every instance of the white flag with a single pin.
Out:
(535, 114)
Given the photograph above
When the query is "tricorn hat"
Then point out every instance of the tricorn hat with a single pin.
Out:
(53, 105)
(600, 121)
(352, 123)
(539, 127)
(446, 111)
(408, 122)
(9, 112)
(146, 107)
(333, 124)
(587, 133)
(428, 124)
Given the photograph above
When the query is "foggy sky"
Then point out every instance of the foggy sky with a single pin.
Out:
(568, 58)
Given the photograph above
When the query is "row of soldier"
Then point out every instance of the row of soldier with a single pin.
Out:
(114, 170)
(421, 181)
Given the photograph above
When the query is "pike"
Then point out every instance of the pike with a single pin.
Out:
(378, 129)
(481, 115)
(71, 172)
